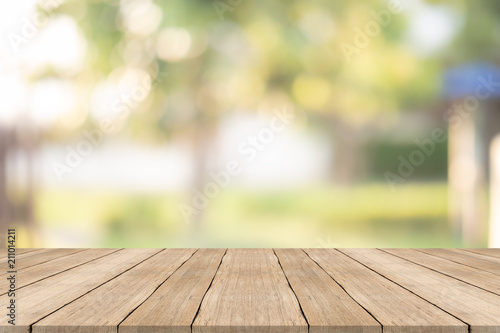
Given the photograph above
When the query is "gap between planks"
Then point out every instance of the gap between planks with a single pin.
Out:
(55, 273)
(478, 308)
(409, 290)
(158, 287)
(94, 288)
(298, 301)
(482, 279)
(342, 287)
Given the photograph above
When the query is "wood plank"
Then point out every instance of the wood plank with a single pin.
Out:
(478, 308)
(56, 266)
(397, 309)
(477, 255)
(471, 275)
(250, 294)
(326, 306)
(486, 252)
(479, 262)
(102, 309)
(25, 250)
(173, 307)
(41, 257)
(44, 297)
(3, 260)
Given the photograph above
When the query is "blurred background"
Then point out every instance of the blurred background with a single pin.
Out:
(237, 123)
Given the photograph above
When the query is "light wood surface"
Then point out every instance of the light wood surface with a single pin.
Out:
(173, 307)
(41, 299)
(326, 306)
(478, 308)
(23, 255)
(254, 290)
(470, 259)
(397, 309)
(485, 252)
(47, 269)
(95, 312)
(491, 257)
(25, 250)
(250, 293)
(37, 258)
(471, 275)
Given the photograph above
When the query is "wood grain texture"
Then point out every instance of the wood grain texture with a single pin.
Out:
(173, 307)
(478, 308)
(250, 294)
(23, 255)
(491, 257)
(487, 264)
(255, 290)
(25, 250)
(42, 271)
(22, 251)
(474, 276)
(44, 297)
(326, 306)
(485, 252)
(102, 309)
(397, 309)
(41, 257)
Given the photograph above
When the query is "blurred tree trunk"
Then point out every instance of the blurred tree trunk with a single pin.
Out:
(19, 208)
(349, 159)
(201, 155)
(203, 137)
(30, 146)
(494, 228)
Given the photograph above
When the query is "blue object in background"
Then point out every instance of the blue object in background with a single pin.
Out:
(462, 81)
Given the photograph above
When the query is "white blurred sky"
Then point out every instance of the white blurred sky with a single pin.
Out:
(293, 158)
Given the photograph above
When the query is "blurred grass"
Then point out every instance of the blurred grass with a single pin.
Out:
(414, 215)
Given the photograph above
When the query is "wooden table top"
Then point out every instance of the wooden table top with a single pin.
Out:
(253, 290)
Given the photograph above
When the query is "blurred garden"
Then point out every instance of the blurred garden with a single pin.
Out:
(235, 123)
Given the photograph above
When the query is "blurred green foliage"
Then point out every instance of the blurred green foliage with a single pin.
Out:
(382, 156)
(365, 215)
